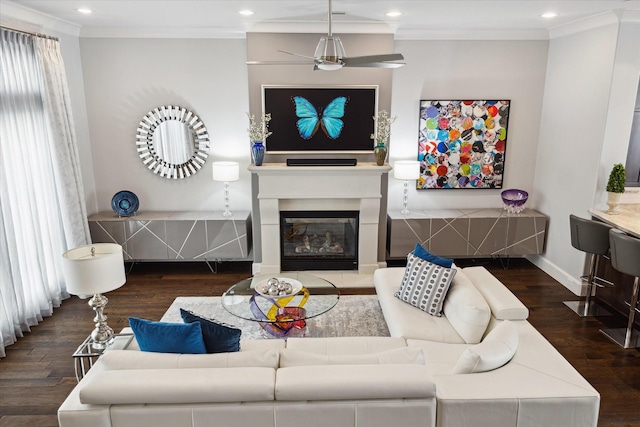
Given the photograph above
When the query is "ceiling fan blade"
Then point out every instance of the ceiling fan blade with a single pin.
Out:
(380, 61)
(297, 54)
(279, 63)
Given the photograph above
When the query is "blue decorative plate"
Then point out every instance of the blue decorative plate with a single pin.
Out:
(125, 203)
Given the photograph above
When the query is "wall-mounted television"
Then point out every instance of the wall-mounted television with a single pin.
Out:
(336, 119)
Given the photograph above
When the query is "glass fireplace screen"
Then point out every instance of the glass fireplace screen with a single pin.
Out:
(319, 240)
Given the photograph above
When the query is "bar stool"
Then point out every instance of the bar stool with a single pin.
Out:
(591, 237)
(625, 257)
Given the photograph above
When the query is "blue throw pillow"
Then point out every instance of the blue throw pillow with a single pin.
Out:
(422, 253)
(218, 338)
(164, 337)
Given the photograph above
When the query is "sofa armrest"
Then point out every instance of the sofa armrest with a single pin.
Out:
(350, 382)
(167, 386)
(504, 304)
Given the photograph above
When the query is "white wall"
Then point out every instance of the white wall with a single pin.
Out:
(126, 78)
(513, 70)
(577, 99)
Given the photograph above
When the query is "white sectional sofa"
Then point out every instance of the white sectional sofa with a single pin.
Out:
(406, 379)
(537, 387)
(262, 385)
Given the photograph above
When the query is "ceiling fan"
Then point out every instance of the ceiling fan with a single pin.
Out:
(330, 55)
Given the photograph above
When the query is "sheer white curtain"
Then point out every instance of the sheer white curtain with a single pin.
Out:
(41, 197)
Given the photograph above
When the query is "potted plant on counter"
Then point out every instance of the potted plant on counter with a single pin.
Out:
(615, 187)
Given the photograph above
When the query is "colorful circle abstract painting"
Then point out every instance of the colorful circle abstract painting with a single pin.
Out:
(462, 143)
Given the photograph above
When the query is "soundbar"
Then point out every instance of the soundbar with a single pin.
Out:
(322, 162)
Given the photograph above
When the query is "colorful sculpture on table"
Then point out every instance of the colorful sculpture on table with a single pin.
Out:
(281, 320)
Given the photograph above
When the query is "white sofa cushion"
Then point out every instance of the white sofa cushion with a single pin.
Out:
(425, 285)
(341, 382)
(466, 309)
(411, 355)
(346, 345)
(166, 386)
(493, 352)
(439, 357)
(504, 304)
(125, 359)
(261, 345)
(404, 320)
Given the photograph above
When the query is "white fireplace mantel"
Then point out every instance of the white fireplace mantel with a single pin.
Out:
(285, 188)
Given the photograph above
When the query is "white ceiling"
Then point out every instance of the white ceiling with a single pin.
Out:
(220, 18)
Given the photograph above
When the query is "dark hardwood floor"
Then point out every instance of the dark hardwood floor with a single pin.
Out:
(38, 372)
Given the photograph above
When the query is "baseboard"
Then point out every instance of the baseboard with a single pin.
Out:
(565, 279)
(255, 268)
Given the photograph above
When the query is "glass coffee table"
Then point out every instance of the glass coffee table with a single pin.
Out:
(281, 312)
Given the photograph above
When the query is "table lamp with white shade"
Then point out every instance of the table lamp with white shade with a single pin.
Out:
(406, 170)
(94, 270)
(226, 172)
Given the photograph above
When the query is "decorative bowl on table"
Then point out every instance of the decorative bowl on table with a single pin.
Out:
(125, 203)
(514, 200)
(278, 287)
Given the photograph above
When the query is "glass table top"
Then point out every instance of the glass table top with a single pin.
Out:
(317, 296)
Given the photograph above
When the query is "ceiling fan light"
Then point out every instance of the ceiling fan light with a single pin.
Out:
(329, 66)
(330, 48)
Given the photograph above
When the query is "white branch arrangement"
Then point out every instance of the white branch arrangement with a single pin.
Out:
(383, 126)
(259, 132)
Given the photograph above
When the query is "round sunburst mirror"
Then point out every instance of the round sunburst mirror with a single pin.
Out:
(172, 142)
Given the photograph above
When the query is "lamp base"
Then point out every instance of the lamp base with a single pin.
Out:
(405, 198)
(227, 212)
(102, 335)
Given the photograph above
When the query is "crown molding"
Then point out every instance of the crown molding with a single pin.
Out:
(420, 34)
(585, 24)
(631, 16)
(161, 33)
(23, 18)
(320, 27)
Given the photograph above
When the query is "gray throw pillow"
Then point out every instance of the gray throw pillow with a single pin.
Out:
(425, 285)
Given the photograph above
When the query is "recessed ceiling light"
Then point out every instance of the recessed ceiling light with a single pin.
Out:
(549, 15)
(85, 10)
(246, 12)
(393, 14)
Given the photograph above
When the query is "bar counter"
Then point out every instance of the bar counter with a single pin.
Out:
(627, 220)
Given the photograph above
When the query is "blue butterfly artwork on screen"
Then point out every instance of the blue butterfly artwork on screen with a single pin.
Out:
(329, 119)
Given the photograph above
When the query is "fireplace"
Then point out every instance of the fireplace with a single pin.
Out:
(281, 188)
(318, 240)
